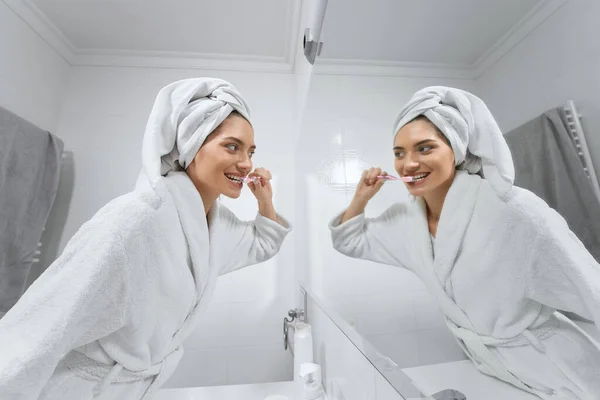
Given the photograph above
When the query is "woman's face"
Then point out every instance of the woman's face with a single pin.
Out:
(421, 150)
(224, 159)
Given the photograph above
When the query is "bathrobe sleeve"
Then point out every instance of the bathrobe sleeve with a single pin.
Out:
(564, 275)
(250, 242)
(78, 299)
(376, 239)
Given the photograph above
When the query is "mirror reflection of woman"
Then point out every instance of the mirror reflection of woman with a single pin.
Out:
(497, 259)
(108, 318)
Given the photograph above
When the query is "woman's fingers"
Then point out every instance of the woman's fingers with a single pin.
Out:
(372, 175)
(263, 173)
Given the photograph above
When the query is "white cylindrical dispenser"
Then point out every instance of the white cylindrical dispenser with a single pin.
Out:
(303, 350)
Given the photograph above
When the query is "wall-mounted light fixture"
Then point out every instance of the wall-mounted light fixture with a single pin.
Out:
(313, 38)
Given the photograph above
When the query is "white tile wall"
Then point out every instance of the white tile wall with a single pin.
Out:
(241, 340)
(438, 346)
(428, 315)
(208, 366)
(258, 323)
(259, 364)
(214, 326)
(402, 348)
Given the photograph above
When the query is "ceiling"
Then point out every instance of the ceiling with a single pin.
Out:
(425, 31)
(263, 34)
(218, 27)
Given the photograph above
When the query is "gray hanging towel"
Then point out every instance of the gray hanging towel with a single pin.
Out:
(546, 163)
(29, 171)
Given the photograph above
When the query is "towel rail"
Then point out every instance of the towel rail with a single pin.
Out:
(40, 247)
(583, 151)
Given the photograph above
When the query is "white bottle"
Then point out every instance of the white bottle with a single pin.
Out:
(303, 345)
(313, 388)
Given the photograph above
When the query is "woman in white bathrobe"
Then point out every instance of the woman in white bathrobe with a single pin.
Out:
(108, 318)
(498, 260)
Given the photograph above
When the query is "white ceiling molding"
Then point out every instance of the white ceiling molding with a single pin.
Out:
(163, 59)
(392, 68)
(38, 21)
(543, 10)
(520, 31)
(40, 24)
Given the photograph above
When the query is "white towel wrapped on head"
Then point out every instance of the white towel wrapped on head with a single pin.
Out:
(472, 131)
(184, 114)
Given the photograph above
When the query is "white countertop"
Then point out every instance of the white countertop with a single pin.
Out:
(464, 377)
(257, 391)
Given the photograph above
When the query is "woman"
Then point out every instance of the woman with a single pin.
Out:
(497, 259)
(108, 318)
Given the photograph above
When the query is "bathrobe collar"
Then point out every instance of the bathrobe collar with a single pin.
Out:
(200, 241)
(454, 220)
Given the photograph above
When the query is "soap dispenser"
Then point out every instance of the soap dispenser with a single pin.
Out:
(313, 388)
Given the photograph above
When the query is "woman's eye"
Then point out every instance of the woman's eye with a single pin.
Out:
(251, 154)
(398, 154)
(232, 147)
(425, 149)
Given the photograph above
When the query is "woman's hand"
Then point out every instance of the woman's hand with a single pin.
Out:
(262, 190)
(369, 184)
(261, 187)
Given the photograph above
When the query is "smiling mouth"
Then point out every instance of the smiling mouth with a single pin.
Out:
(418, 178)
(238, 180)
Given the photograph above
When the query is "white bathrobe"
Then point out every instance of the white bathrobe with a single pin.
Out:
(110, 315)
(501, 269)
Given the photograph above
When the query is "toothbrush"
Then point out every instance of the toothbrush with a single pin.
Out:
(249, 179)
(393, 178)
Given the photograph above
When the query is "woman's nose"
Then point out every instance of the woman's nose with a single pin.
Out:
(411, 162)
(245, 164)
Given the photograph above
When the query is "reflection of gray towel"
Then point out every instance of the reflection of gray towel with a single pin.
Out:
(546, 163)
(29, 172)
